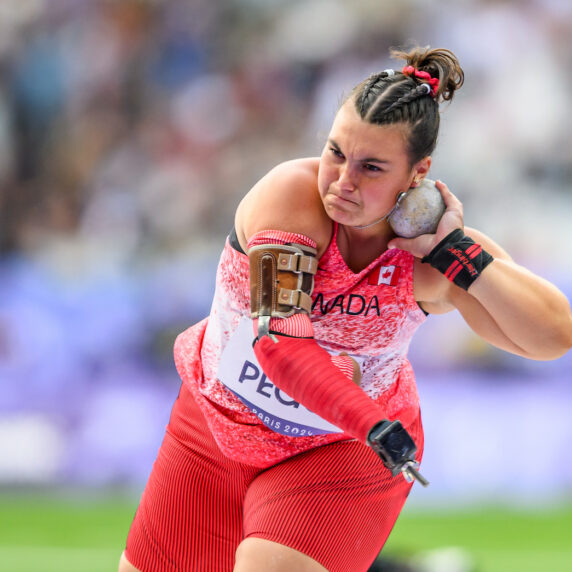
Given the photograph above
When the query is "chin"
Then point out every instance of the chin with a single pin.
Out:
(342, 217)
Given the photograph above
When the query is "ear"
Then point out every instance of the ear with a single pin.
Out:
(420, 170)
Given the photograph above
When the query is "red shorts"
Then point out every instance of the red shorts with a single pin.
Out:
(336, 503)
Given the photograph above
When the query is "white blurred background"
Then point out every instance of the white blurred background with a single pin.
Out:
(129, 131)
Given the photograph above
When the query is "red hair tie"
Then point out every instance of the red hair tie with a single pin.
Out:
(433, 82)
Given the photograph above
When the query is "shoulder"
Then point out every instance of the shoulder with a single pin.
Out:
(295, 179)
(286, 199)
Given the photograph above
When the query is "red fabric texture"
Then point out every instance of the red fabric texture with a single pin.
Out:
(198, 504)
(279, 237)
(298, 325)
(344, 364)
(305, 371)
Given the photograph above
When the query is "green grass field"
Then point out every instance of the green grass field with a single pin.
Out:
(49, 533)
(495, 539)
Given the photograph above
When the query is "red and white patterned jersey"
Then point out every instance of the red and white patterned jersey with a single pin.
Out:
(371, 315)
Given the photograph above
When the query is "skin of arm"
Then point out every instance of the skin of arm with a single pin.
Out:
(508, 306)
(285, 199)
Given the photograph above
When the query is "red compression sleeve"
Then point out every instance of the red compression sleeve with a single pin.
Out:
(304, 370)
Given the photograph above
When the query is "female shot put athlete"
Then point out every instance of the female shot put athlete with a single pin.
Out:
(284, 453)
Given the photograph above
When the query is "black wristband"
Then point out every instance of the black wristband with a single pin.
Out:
(459, 258)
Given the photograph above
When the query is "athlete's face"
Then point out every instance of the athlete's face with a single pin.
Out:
(364, 167)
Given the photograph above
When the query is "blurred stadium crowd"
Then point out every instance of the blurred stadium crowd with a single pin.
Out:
(130, 129)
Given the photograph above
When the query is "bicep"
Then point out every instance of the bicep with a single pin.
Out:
(475, 315)
(479, 319)
(482, 322)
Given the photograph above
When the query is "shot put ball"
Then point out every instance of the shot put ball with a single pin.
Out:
(419, 211)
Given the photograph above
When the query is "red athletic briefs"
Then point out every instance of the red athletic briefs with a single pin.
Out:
(336, 503)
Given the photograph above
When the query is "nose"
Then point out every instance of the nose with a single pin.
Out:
(346, 178)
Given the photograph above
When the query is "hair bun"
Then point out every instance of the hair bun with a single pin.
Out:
(439, 63)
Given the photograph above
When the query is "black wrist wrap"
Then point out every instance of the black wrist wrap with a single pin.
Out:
(459, 258)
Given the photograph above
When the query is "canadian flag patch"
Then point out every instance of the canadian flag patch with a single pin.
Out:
(385, 275)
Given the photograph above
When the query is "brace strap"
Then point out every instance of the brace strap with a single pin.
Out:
(281, 281)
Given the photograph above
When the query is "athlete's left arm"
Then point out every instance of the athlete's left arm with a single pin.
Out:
(503, 302)
(513, 308)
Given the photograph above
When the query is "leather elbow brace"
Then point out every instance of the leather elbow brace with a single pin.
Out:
(281, 282)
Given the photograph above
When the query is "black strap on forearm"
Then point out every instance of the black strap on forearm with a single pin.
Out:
(459, 258)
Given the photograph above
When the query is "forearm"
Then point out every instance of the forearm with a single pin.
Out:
(303, 370)
(280, 265)
(285, 346)
(503, 302)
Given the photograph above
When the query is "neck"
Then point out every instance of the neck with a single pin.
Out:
(384, 217)
(379, 233)
(360, 247)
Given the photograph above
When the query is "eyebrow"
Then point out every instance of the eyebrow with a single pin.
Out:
(333, 143)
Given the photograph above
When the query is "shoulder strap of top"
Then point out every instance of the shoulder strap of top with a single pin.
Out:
(233, 240)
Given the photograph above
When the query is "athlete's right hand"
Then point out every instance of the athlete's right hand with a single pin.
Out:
(452, 219)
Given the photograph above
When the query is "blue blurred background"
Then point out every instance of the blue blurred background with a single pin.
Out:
(129, 131)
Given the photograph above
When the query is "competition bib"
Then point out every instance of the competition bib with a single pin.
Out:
(240, 372)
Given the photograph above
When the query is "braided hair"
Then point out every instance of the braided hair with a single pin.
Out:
(390, 97)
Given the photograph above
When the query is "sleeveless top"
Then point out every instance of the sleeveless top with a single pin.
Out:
(372, 315)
